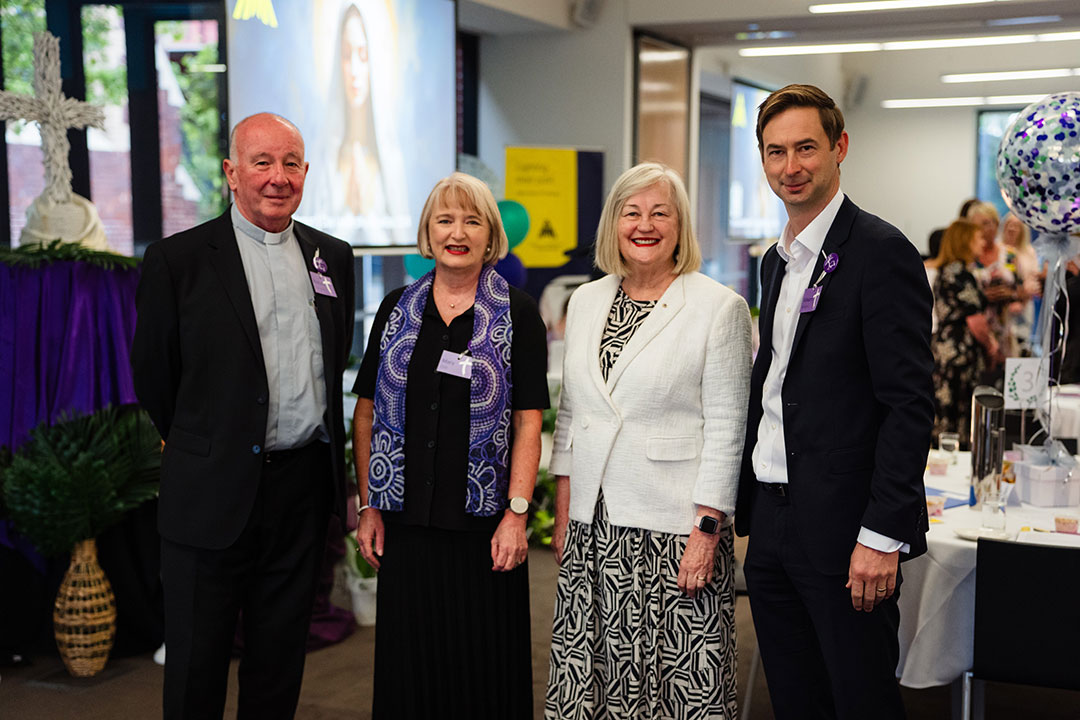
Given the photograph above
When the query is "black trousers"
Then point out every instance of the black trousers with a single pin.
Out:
(822, 659)
(267, 578)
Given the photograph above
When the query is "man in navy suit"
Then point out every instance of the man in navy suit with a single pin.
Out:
(244, 329)
(838, 429)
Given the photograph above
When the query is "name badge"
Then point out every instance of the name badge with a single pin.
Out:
(322, 284)
(456, 364)
(810, 299)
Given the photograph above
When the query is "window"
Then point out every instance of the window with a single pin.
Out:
(992, 127)
(25, 174)
(105, 66)
(189, 122)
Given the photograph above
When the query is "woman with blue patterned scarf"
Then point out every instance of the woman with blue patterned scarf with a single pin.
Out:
(446, 435)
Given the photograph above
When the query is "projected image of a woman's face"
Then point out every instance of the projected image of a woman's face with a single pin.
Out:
(354, 59)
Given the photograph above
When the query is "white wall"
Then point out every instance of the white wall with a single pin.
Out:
(569, 89)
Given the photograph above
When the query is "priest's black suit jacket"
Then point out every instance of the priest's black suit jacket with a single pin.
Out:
(857, 397)
(199, 373)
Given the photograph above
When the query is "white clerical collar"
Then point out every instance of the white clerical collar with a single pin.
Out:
(256, 233)
(813, 235)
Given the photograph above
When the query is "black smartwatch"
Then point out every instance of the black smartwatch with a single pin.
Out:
(707, 524)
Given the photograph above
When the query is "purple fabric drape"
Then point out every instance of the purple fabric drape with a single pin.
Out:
(65, 341)
(65, 338)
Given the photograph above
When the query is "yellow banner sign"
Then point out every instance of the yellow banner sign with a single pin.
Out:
(544, 180)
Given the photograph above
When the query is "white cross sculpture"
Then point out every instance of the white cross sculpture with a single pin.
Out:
(54, 113)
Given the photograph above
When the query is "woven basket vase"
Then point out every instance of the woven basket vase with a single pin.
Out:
(84, 619)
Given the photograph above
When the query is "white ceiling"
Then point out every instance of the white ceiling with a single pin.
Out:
(698, 23)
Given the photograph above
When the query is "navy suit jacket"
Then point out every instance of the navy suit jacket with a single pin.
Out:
(857, 397)
(199, 372)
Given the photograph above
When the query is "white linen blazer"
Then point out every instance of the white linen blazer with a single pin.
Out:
(665, 432)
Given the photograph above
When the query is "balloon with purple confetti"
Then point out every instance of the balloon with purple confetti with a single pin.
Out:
(1038, 164)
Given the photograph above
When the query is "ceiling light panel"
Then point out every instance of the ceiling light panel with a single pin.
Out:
(880, 5)
(930, 102)
(957, 42)
(809, 49)
(969, 101)
(1009, 75)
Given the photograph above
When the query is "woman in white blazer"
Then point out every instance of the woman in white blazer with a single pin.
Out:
(648, 444)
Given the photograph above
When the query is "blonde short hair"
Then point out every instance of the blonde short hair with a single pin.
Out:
(981, 209)
(638, 178)
(466, 192)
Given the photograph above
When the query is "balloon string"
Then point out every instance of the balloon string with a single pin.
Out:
(1053, 343)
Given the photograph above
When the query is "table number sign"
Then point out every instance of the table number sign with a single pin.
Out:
(1026, 383)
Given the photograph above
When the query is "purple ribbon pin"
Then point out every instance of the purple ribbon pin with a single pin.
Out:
(320, 264)
(831, 262)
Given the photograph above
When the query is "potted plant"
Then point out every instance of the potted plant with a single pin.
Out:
(362, 582)
(70, 481)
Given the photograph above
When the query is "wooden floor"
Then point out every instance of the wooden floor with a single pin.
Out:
(337, 681)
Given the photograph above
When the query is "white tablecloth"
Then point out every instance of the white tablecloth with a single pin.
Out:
(937, 597)
(1065, 411)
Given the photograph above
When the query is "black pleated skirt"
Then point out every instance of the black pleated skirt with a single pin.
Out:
(452, 636)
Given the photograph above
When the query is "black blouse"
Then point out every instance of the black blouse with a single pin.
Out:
(437, 407)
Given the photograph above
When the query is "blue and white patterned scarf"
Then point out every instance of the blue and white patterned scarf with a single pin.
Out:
(489, 391)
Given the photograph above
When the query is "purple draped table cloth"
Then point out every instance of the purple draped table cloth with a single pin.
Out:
(65, 341)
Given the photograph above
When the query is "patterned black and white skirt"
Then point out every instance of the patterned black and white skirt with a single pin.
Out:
(627, 644)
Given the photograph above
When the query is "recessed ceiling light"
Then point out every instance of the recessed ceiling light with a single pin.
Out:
(970, 101)
(958, 42)
(809, 49)
(779, 50)
(1009, 75)
(930, 102)
(877, 5)
(1013, 99)
(1055, 37)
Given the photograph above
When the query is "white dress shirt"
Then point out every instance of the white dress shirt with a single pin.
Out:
(799, 253)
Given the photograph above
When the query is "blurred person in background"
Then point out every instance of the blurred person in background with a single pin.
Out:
(1020, 257)
(962, 344)
(998, 282)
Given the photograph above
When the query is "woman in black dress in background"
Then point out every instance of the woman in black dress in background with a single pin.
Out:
(963, 343)
(447, 442)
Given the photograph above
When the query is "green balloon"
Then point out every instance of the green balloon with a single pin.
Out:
(418, 266)
(515, 220)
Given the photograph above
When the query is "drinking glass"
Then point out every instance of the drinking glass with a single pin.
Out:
(950, 442)
(993, 512)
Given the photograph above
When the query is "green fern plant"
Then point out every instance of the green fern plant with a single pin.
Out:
(77, 477)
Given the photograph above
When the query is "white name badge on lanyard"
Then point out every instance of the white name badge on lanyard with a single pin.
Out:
(456, 364)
